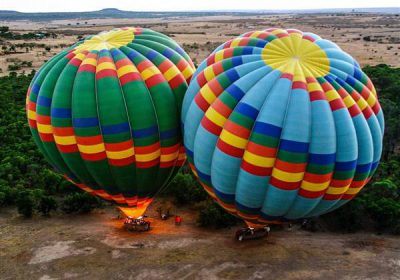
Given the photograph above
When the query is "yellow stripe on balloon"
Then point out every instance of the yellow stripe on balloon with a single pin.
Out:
(258, 160)
(169, 157)
(120, 154)
(353, 191)
(215, 117)
(335, 190)
(332, 95)
(313, 87)
(278, 31)
(147, 157)
(207, 94)
(348, 101)
(90, 61)
(91, 149)
(219, 55)
(65, 140)
(171, 73)
(233, 140)
(235, 42)
(362, 104)
(187, 72)
(209, 73)
(126, 69)
(45, 128)
(149, 72)
(80, 56)
(314, 187)
(255, 34)
(371, 100)
(31, 115)
(105, 66)
(287, 176)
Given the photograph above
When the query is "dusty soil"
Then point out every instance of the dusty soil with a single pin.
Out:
(95, 246)
(369, 38)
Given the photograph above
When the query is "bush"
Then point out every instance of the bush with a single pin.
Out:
(80, 203)
(47, 204)
(377, 206)
(186, 189)
(212, 215)
(9, 195)
(25, 203)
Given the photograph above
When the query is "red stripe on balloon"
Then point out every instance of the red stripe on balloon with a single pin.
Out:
(229, 149)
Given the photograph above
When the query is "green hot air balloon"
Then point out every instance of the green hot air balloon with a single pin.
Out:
(105, 113)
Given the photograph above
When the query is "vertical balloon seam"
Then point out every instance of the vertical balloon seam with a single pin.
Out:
(260, 213)
(44, 125)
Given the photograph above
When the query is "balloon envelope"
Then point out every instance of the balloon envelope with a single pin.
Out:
(281, 125)
(105, 113)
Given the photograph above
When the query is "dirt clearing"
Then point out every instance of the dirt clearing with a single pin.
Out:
(95, 246)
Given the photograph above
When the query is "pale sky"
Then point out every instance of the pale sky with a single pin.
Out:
(186, 5)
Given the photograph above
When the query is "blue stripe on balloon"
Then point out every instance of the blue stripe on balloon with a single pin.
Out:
(247, 50)
(168, 53)
(345, 165)
(115, 128)
(247, 110)
(115, 52)
(204, 176)
(267, 129)
(44, 101)
(144, 132)
(237, 60)
(35, 88)
(357, 73)
(168, 133)
(62, 113)
(362, 168)
(351, 81)
(273, 218)
(293, 146)
(151, 55)
(180, 51)
(246, 209)
(321, 159)
(235, 91)
(189, 153)
(232, 74)
(85, 122)
(132, 54)
(261, 43)
(229, 198)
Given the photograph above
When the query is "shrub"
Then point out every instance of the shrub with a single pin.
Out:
(25, 203)
(212, 215)
(79, 203)
(9, 195)
(47, 204)
(186, 189)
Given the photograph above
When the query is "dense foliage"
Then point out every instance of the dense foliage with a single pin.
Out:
(27, 181)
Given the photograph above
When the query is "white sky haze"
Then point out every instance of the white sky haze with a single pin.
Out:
(186, 5)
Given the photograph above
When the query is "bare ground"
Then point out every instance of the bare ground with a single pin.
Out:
(370, 38)
(95, 246)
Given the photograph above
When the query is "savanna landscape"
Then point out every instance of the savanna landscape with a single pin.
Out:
(49, 229)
